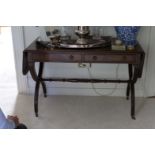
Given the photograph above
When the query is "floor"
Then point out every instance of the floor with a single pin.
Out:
(79, 112)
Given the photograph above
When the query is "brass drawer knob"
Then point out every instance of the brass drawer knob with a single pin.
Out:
(71, 57)
(94, 57)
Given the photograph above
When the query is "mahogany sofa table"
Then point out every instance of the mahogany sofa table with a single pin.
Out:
(35, 53)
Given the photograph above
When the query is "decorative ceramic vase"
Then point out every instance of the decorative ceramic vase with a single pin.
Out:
(128, 35)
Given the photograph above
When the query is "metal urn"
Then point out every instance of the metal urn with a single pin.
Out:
(83, 33)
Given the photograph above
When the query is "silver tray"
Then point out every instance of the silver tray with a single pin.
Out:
(91, 44)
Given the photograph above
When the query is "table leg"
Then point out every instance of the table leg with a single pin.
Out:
(36, 94)
(44, 88)
(132, 86)
(133, 101)
(41, 66)
(38, 80)
(130, 77)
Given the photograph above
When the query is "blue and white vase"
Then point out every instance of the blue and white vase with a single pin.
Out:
(128, 35)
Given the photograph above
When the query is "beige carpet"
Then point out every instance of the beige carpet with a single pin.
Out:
(80, 112)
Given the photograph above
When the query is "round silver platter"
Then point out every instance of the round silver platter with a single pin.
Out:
(91, 44)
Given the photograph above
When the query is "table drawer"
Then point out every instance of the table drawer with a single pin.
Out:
(112, 58)
(54, 57)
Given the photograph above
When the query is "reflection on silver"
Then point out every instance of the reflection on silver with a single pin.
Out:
(83, 33)
(91, 44)
(84, 40)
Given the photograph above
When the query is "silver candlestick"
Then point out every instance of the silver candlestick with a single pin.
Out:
(83, 33)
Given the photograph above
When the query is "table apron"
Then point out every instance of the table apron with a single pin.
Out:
(89, 58)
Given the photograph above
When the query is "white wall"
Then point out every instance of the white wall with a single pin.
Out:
(150, 70)
(32, 32)
(98, 70)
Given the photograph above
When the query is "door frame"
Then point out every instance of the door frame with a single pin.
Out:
(18, 47)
